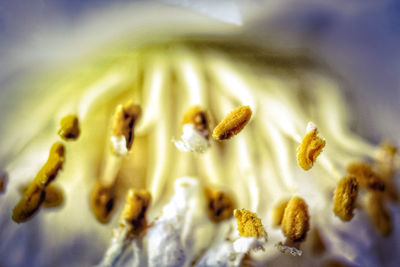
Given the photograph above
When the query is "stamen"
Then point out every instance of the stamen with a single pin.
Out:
(345, 197)
(295, 221)
(233, 123)
(311, 146)
(102, 202)
(220, 205)
(195, 131)
(3, 181)
(365, 176)
(36, 191)
(125, 118)
(249, 225)
(69, 128)
(378, 214)
(53, 197)
(132, 223)
(278, 211)
(134, 213)
(198, 117)
(103, 195)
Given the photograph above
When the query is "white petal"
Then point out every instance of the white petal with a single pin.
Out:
(171, 240)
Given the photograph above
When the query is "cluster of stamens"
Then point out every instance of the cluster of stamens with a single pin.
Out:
(221, 205)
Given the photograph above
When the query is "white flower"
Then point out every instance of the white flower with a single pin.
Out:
(165, 71)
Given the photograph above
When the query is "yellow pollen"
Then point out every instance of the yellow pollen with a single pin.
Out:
(198, 117)
(69, 128)
(125, 118)
(102, 202)
(35, 194)
(233, 123)
(134, 213)
(278, 211)
(54, 197)
(295, 221)
(366, 177)
(220, 205)
(311, 146)
(345, 197)
(249, 225)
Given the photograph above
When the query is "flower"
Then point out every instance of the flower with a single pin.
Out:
(163, 75)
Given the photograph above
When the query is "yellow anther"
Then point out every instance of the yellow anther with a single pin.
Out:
(69, 128)
(295, 221)
(345, 196)
(198, 117)
(35, 194)
(233, 123)
(278, 211)
(125, 118)
(311, 146)
(249, 225)
(3, 181)
(220, 205)
(378, 214)
(54, 197)
(134, 213)
(366, 177)
(102, 202)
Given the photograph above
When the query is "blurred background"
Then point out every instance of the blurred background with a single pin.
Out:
(358, 39)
